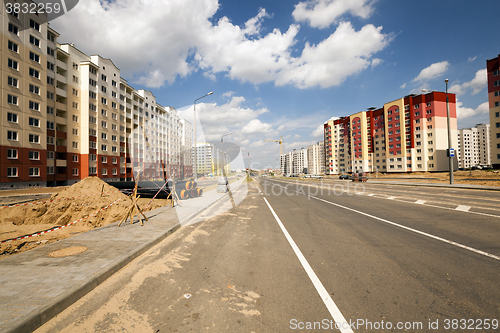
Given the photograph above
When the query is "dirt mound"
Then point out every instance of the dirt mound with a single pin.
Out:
(71, 204)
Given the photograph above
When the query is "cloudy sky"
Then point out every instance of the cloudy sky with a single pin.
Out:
(283, 67)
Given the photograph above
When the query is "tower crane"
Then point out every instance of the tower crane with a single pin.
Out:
(280, 141)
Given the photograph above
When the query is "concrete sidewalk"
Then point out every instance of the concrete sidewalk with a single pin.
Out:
(442, 185)
(35, 287)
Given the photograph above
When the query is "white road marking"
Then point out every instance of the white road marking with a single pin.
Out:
(411, 229)
(391, 198)
(371, 194)
(420, 202)
(323, 293)
(463, 208)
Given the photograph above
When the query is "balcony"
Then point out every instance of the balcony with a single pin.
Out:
(61, 120)
(61, 78)
(61, 149)
(61, 135)
(61, 92)
(61, 163)
(61, 64)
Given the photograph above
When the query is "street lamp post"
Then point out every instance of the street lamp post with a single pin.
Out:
(450, 158)
(222, 148)
(195, 167)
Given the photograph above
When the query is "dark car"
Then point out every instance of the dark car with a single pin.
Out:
(344, 177)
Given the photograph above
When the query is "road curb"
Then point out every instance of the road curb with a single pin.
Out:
(42, 315)
(456, 186)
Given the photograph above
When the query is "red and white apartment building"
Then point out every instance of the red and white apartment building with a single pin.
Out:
(406, 135)
(493, 70)
(65, 115)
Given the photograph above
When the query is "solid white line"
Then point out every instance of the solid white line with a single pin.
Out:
(413, 230)
(420, 202)
(391, 198)
(463, 208)
(323, 293)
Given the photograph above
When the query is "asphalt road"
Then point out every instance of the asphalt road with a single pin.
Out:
(290, 258)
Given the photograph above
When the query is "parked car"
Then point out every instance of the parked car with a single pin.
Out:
(346, 176)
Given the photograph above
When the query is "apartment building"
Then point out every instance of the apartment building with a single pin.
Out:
(286, 162)
(406, 135)
(493, 70)
(474, 146)
(316, 159)
(211, 160)
(294, 162)
(66, 115)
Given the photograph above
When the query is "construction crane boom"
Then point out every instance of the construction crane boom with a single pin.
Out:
(280, 141)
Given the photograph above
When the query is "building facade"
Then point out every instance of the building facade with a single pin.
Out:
(316, 159)
(493, 70)
(406, 135)
(474, 146)
(211, 161)
(66, 115)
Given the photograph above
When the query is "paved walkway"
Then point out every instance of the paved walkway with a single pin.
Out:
(34, 287)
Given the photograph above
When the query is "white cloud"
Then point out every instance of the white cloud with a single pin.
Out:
(478, 83)
(154, 42)
(344, 53)
(255, 126)
(433, 71)
(471, 59)
(463, 112)
(318, 132)
(322, 13)
(403, 86)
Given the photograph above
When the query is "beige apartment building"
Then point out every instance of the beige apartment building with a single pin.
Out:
(316, 159)
(474, 145)
(66, 115)
(493, 73)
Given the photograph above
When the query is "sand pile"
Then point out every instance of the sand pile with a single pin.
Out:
(73, 203)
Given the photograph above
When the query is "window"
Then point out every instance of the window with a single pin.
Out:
(75, 105)
(497, 114)
(75, 92)
(104, 136)
(104, 112)
(12, 46)
(50, 80)
(104, 172)
(12, 154)
(92, 170)
(104, 89)
(113, 137)
(50, 140)
(34, 155)
(104, 147)
(34, 73)
(75, 118)
(34, 106)
(14, 82)
(93, 83)
(11, 117)
(13, 64)
(497, 125)
(114, 149)
(75, 79)
(113, 105)
(34, 57)
(34, 89)
(104, 124)
(35, 41)
(50, 110)
(12, 99)
(75, 131)
(34, 122)
(50, 125)
(75, 144)
(92, 120)
(104, 101)
(103, 77)
(92, 145)
(115, 172)
(13, 29)
(75, 172)
(75, 158)
(113, 127)
(113, 83)
(104, 159)
(12, 172)
(50, 170)
(33, 138)
(34, 172)
(34, 25)
(75, 66)
(114, 160)
(50, 51)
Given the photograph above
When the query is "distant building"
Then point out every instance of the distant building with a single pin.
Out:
(210, 160)
(474, 146)
(493, 70)
(316, 158)
(406, 135)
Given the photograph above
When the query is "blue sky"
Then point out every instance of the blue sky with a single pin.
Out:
(282, 68)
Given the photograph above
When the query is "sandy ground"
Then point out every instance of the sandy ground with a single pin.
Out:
(69, 204)
(474, 177)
